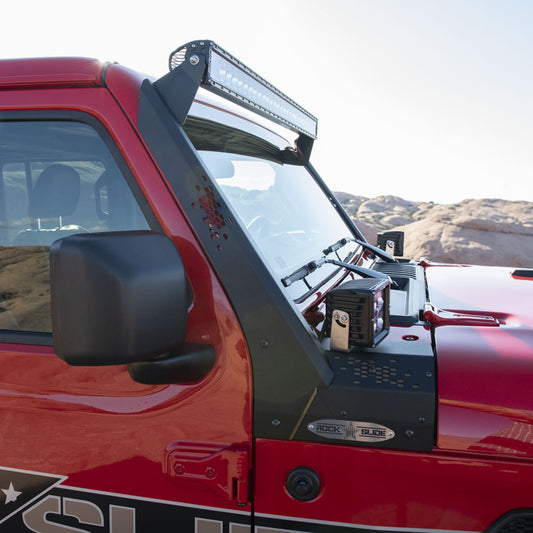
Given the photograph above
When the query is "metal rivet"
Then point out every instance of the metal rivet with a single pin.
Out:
(276, 423)
(194, 60)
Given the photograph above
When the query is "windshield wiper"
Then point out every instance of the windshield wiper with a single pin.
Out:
(303, 272)
(382, 254)
(310, 267)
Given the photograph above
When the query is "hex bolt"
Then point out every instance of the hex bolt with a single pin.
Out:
(194, 60)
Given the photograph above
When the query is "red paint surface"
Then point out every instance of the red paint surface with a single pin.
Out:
(50, 72)
(391, 488)
(485, 373)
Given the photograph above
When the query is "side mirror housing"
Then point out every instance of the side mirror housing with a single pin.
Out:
(117, 298)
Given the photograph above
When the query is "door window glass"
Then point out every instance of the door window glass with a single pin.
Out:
(57, 178)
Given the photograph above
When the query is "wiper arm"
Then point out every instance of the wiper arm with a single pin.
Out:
(310, 267)
(362, 271)
(382, 254)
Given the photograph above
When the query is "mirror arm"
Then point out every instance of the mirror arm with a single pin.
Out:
(191, 364)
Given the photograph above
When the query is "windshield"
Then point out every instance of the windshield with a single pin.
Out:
(288, 218)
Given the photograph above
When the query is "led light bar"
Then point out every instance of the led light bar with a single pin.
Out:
(228, 77)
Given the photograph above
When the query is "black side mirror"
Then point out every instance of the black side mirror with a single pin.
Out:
(117, 298)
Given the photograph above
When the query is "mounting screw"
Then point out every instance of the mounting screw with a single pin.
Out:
(422, 420)
(194, 60)
(409, 433)
(344, 413)
(210, 472)
(276, 423)
(429, 374)
(179, 469)
(263, 343)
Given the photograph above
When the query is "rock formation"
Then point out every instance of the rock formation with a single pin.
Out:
(483, 232)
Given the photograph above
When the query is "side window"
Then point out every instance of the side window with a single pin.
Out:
(57, 178)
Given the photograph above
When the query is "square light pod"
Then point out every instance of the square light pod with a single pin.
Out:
(358, 314)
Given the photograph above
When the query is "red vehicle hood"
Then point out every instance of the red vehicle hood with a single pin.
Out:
(485, 373)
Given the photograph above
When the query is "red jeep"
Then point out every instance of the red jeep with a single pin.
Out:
(195, 337)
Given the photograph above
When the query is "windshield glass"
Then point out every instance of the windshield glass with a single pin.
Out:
(288, 218)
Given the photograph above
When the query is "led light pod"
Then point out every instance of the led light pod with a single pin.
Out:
(358, 313)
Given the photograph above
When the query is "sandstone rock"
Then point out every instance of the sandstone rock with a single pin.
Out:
(485, 232)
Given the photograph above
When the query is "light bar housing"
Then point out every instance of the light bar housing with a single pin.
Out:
(225, 75)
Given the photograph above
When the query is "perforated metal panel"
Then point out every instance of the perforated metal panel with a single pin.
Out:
(215, 220)
(177, 58)
(381, 371)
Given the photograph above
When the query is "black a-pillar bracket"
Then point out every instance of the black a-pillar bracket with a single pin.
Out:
(179, 87)
(304, 144)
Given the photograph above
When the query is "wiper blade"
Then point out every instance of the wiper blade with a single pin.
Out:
(303, 272)
(336, 246)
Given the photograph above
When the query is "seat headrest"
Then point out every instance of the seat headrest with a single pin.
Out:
(56, 192)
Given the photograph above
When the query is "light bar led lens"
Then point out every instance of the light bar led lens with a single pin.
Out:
(231, 77)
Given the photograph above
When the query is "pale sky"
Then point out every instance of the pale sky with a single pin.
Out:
(423, 99)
